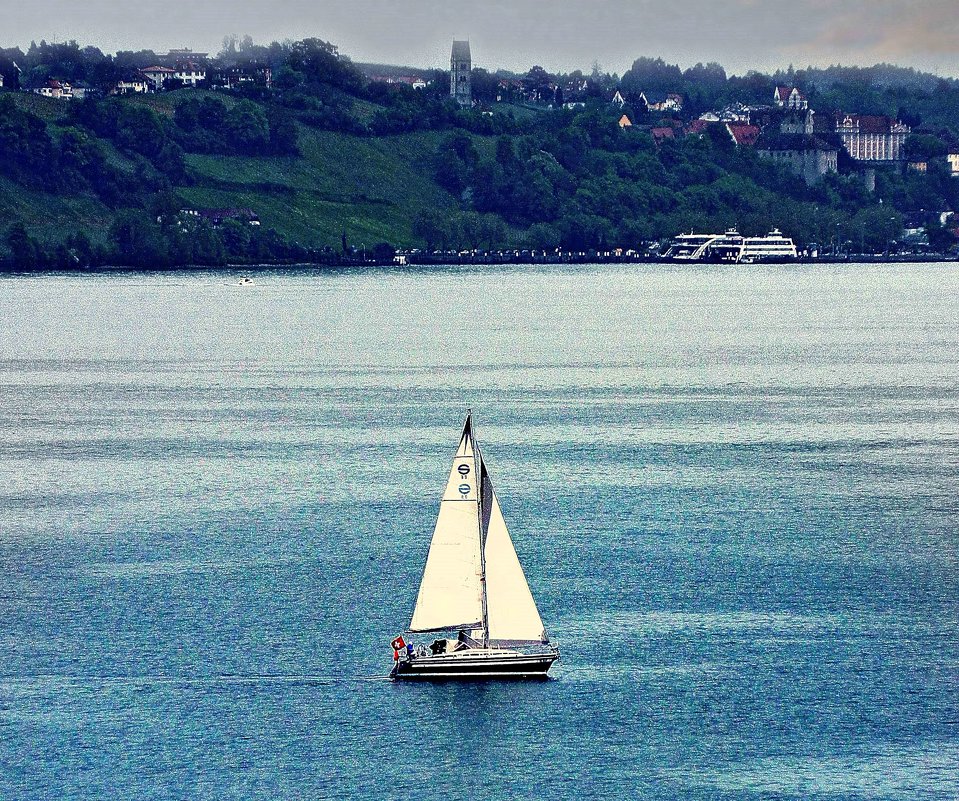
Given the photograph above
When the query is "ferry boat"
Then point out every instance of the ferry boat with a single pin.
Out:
(732, 248)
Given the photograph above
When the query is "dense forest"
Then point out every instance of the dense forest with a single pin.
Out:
(332, 161)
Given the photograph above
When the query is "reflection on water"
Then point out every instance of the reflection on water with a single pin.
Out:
(734, 490)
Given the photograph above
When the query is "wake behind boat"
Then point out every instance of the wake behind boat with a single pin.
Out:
(474, 589)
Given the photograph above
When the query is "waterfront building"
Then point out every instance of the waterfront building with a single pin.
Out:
(953, 161)
(461, 65)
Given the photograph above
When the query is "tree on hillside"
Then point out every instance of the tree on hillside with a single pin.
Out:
(247, 128)
(24, 251)
(652, 75)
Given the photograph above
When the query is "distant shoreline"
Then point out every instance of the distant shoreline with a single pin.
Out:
(473, 261)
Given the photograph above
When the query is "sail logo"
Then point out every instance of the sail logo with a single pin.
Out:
(463, 470)
(464, 489)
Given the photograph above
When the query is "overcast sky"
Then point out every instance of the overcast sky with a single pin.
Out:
(515, 34)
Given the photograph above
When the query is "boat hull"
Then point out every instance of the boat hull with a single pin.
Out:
(473, 665)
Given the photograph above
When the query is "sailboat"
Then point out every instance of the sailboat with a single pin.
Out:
(473, 588)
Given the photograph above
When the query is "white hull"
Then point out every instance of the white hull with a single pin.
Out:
(732, 248)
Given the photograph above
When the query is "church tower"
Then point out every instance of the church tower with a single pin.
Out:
(460, 66)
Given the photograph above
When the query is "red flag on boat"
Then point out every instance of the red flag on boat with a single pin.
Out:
(399, 643)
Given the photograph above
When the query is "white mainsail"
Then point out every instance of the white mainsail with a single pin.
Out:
(511, 611)
(451, 592)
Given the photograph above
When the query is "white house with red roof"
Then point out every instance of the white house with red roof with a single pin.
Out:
(156, 75)
(790, 97)
(60, 90)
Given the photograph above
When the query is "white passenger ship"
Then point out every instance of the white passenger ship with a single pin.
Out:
(732, 247)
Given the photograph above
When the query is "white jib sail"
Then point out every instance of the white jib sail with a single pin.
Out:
(510, 608)
(451, 593)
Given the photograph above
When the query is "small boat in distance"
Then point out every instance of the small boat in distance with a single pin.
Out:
(732, 248)
(473, 588)
(245, 281)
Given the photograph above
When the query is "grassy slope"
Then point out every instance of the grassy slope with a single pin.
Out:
(372, 188)
(52, 217)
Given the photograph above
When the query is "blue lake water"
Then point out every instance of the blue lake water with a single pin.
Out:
(734, 491)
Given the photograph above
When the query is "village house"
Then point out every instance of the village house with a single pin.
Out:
(952, 159)
(10, 76)
(798, 122)
(790, 97)
(81, 90)
(414, 81)
(133, 85)
(251, 74)
(216, 217)
(618, 99)
(575, 90)
(508, 90)
(61, 90)
(181, 54)
(699, 126)
(667, 102)
(661, 134)
(156, 75)
(742, 135)
(872, 138)
(624, 122)
(189, 73)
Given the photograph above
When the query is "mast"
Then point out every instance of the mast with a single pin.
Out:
(480, 488)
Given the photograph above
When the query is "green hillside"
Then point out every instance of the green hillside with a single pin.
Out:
(321, 153)
(372, 188)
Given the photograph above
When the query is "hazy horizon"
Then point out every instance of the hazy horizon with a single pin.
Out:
(741, 35)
